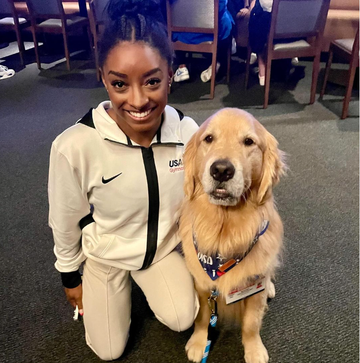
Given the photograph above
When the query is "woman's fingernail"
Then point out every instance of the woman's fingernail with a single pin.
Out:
(81, 312)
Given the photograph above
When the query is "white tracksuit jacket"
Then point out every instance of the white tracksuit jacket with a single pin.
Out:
(134, 192)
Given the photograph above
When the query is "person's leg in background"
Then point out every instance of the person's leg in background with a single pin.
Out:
(107, 309)
(262, 68)
(169, 290)
(259, 26)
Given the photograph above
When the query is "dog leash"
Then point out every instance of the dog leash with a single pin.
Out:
(212, 324)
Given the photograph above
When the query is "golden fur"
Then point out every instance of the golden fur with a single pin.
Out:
(225, 216)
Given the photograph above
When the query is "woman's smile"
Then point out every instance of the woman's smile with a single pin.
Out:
(140, 116)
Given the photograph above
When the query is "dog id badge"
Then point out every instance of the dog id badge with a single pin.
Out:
(240, 293)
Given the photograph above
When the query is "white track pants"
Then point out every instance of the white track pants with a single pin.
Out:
(167, 285)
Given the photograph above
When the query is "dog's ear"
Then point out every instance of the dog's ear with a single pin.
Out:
(273, 167)
(190, 167)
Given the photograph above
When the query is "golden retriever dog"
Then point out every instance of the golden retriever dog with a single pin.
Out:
(229, 222)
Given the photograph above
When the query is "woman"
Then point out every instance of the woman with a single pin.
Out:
(115, 187)
(259, 27)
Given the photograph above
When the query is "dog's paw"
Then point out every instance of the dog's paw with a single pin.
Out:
(271, 290)
(195, 348)
(257, 353)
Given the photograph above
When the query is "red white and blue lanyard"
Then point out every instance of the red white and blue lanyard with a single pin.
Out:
(212, 324)
(216, 266)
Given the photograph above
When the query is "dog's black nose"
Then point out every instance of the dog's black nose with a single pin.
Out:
(222, 170)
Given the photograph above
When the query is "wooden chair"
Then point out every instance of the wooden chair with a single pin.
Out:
(97, 17)
(293, 20)
(200, 16)
(49, 17)
(10, 20)
(348, 50)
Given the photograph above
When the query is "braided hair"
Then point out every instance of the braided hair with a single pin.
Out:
(135, 21)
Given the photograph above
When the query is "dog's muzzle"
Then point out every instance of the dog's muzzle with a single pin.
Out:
(222, 181)
(221, 171)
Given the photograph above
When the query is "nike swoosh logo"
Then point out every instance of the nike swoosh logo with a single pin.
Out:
(178, 73)
(105, 181)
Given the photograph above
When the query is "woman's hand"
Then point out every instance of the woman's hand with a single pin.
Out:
(74, 296)
(242, 13)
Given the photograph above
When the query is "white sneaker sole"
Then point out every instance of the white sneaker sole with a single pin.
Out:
(262, 81)
(295, 61)
(206, 75)
(7, 74)
(181, 78)
(253, 58)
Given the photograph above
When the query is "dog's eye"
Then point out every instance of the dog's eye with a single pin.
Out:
(209, 139)
(248, 141)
